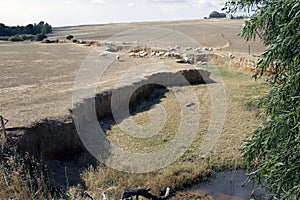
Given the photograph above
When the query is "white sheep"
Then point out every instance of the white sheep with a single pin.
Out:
(132, 55)
(167, 54)
(186, 59)
(176, 54)
(143, 54)
(198, 50)
(159, 54)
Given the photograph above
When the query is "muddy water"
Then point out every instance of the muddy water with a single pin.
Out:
(232, 185)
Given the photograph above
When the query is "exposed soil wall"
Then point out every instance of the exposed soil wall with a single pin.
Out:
(54, 138)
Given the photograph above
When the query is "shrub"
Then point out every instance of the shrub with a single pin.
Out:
(70, 37)
(15, 38)
(27, 37)
(40, 37)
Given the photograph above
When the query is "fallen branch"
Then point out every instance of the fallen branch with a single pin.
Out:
(144, 192)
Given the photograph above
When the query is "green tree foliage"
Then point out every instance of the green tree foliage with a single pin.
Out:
(70, 37)
(15, 38)
(24, 37)
(273, 152)
(216, 14)
(35, 29)
(40, 37)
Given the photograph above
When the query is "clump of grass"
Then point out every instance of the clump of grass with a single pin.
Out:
(177, 176)
(21, 180)
(22, 177)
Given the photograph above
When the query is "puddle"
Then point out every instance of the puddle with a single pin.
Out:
(232, 185)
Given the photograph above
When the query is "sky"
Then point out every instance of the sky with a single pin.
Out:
(79, 12)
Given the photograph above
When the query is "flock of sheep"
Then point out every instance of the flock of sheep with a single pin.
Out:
(158, 54)
(171, 52)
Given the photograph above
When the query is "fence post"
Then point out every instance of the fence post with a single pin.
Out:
(3, 127)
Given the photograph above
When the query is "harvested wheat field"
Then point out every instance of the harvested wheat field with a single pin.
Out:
(44, 156)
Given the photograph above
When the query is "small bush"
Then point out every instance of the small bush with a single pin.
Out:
(239, 17)
(40, 37)
(15, 38)
(27, 37)
(70, 37)
(22, 37)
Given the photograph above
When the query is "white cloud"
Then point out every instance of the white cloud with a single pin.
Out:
(200, 3)
(131, 4)
(15, 12)
(97, 1)
(210, 3)
(68, 2)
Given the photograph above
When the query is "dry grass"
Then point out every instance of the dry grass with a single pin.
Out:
(177, 176)
(37, 77)
(21, 180)
(241, 120)
(214, 33)
(190, 169)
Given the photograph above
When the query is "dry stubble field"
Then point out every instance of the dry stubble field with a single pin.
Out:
(36, 82)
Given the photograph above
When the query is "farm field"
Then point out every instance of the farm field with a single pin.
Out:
(46, 72)
(37, 80)
(220, 34)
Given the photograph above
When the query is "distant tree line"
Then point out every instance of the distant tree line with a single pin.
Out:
(35, 32)
(239, 17)
(216, 14)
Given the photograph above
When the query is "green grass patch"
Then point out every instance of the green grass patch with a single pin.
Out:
(227, 73)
